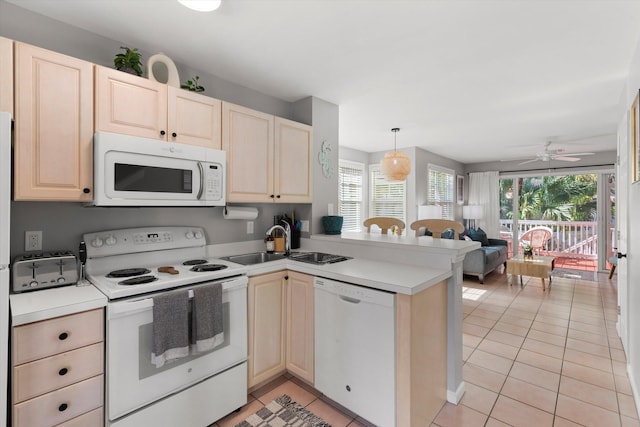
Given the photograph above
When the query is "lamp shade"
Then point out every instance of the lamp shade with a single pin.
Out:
(395, 166)
(472, 212)
(429, 212)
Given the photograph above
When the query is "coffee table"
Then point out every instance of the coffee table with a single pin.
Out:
(539, 266)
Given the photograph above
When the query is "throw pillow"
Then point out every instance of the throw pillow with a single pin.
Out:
(479, 236)
(427, 232)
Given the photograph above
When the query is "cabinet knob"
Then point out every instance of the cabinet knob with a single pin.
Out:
(272, 196)
(173, 134)
(63, 407)
(278, 196)
(63, 336)
(63, 371)
(286, 277)
(620, 256)
(86, 190)
(163, 133)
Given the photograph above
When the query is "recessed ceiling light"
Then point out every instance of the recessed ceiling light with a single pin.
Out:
(201, 5)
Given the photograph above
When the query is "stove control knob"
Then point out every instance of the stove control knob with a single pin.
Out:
(33, 284)
(198, 235)
(61, 280)
(189, 235)
(97, 242)
(111, 240)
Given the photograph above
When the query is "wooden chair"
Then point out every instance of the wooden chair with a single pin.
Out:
(437, 227)
(537, 238)
(385, 223)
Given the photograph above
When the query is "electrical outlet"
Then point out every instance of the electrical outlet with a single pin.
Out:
(249, 227)
(305, 225)
(33, 240)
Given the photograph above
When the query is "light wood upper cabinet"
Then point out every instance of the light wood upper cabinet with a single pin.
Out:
(294, 147)
(131, 105)
(6, 75)
(266, 327)
(268, 158)
(300, 326)
(53, 149)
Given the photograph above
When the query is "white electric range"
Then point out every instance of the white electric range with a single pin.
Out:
(131, 267)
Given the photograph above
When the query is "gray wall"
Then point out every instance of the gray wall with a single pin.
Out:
(64, 223)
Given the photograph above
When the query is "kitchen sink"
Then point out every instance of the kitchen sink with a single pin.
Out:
(318, 258)
(254, 258)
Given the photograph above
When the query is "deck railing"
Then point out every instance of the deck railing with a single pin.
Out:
(570, 239)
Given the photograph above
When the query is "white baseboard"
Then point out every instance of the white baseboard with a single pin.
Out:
(634, 386)
(456, 397)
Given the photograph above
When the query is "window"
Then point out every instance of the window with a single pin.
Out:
(387, 198)
(350, 194)
(442, 188)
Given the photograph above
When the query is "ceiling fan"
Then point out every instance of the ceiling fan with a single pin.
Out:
(558, 154)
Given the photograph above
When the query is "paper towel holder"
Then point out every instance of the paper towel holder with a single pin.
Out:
(236, 212)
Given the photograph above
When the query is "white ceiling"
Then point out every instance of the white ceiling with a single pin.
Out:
(470, 80)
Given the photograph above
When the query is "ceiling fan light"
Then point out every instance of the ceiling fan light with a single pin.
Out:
(201, 5)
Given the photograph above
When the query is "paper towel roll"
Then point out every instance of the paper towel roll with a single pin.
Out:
(233, 212)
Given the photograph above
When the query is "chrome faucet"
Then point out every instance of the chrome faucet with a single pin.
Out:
(287, 235)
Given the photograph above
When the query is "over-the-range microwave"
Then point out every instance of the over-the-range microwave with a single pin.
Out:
(135, 171)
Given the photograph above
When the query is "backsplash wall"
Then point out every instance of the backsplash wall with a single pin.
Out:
(63, 224)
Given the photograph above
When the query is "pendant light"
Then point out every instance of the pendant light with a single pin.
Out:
(395, 165)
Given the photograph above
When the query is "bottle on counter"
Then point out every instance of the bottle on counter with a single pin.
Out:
(271, 244)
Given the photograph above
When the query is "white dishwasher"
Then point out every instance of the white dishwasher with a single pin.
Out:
(355, 349)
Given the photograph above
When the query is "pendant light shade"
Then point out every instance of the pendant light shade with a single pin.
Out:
(395, 165)
(201, 5)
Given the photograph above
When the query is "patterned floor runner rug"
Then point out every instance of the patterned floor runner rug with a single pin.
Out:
(283, 412)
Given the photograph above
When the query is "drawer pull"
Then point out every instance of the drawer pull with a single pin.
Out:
(63, 336)
(63, 407)
(63, 371)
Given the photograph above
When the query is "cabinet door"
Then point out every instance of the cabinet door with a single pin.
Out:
(294, 147)
(247, 137)
(6, 75)
(266, 327)
(300, 333)
(53, 126)
(194, 119)
(130, 105)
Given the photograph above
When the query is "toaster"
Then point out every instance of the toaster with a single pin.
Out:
(44, 270)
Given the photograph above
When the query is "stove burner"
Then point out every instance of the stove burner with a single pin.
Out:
(208, 267)
(195, 262)
(128, 272)
(138, 280)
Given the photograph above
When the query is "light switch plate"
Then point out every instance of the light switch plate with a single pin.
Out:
(305, 225)
(249, 227)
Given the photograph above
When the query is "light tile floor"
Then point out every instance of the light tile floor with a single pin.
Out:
(532, 358)
(535, 358)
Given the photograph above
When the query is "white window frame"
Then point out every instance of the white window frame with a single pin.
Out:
(360, 167)
(373, 170)
(448, 206)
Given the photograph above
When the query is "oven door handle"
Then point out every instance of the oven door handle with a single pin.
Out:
(131, 307)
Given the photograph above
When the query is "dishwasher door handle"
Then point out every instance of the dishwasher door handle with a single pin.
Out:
(349, 299)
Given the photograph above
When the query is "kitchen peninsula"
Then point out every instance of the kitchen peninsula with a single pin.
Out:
(425, 276)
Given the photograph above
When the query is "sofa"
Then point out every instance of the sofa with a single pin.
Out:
(487, 258)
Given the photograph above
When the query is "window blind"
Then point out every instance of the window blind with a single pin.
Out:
(388, 198)
(442, 189)
(350, 194)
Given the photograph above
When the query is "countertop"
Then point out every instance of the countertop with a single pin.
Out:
(386, 276)
(45, 304)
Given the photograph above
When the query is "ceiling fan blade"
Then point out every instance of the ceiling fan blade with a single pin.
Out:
(528, 161)
(566, 159)
(577, 154)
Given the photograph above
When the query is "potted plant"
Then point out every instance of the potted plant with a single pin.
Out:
(129, 61)
(528, 252)
(193, 85)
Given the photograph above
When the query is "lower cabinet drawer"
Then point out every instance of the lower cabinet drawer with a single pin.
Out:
(94, 418)
(42, 339)
(45, 375)
(61, 405)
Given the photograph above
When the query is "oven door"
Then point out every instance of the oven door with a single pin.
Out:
(133, 382)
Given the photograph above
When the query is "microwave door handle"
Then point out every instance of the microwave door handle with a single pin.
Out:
(201, 168)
